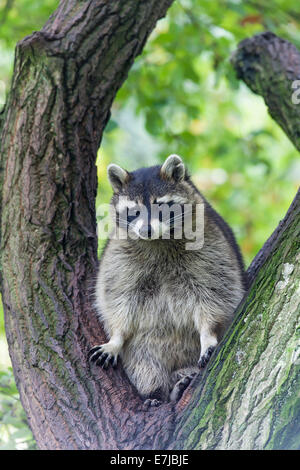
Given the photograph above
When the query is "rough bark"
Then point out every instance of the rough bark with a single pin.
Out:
(269, 65)
(64, 81)
(65, 78)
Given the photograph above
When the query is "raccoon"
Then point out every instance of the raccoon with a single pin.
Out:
(164, 307)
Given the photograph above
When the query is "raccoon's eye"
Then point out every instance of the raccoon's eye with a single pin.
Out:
(174, 213)
(170, 203)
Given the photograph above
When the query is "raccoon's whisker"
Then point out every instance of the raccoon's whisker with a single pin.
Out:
(187, 211)
(125, 222)
(180, 216)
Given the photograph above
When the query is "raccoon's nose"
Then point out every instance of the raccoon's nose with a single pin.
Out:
(145, 231)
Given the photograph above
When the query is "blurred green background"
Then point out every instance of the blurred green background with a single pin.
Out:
(182, 97)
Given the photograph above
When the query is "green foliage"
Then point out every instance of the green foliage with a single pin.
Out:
(19, 18)
(14, 431)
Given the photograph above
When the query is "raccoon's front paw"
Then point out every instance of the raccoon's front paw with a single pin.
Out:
(204, 358)
(103, 355)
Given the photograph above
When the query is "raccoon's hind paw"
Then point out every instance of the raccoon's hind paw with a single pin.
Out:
(180, 387)
(204, 358)
(102, 356)
(151, 403)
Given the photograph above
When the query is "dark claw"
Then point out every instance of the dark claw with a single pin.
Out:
(92, 351)
(115, 362)
(108, 361)
(95, 356)
(101, 359)
(205, 358)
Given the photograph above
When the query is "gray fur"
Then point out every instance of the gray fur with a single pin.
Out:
(164, 308)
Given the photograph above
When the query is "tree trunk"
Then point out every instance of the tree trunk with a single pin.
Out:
(65, 79)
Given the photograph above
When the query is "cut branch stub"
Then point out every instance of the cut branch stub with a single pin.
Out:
(270, 65)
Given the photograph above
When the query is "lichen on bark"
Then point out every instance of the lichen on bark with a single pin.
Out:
(249, 392)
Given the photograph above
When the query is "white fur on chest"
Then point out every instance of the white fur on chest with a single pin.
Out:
(165, 310)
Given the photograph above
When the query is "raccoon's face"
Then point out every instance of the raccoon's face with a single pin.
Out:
(152, 203)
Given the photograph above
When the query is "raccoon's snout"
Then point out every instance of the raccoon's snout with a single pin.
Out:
(145, 231)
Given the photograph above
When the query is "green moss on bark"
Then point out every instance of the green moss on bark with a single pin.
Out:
(249, 396)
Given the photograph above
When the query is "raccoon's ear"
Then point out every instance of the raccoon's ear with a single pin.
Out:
(173, 168)
(117, 177)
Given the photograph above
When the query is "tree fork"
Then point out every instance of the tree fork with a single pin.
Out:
(65, 79)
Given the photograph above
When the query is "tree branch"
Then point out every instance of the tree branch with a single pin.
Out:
(269, 65)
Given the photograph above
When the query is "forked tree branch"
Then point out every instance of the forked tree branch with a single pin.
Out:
(65, 79)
